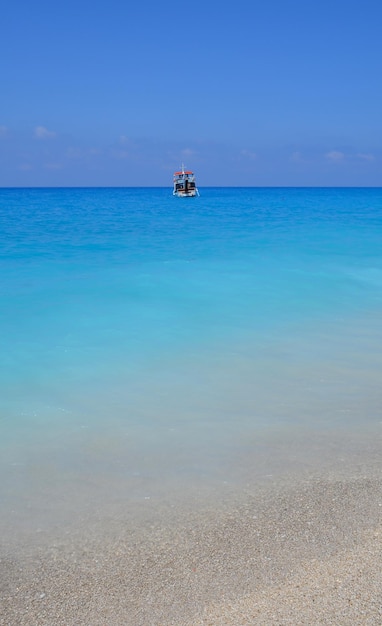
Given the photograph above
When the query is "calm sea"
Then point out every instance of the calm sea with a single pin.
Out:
(152, 345)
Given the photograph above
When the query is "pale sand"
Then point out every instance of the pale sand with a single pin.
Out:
(305, 554)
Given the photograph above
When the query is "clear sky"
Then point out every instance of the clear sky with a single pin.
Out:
(257, 93)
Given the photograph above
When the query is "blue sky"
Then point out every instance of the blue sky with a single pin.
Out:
(283, 92)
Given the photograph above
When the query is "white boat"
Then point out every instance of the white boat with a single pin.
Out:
(184, 184)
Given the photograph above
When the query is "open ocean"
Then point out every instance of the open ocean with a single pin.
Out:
(153, 346)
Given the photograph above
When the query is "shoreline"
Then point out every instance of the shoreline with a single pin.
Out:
(303, 553)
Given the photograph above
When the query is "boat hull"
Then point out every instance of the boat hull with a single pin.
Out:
(185, 194)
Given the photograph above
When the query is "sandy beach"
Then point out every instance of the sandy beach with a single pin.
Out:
(307, 553)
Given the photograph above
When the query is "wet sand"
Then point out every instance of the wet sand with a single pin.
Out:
(302, 553)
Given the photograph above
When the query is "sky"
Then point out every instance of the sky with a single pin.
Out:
(245, 93)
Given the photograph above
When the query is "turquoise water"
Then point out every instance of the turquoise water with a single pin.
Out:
(151, 343)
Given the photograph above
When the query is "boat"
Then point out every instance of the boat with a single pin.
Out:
(184, 184)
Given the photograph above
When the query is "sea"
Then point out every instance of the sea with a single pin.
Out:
(158, 350)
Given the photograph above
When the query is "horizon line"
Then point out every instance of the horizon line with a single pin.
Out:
(5, 187)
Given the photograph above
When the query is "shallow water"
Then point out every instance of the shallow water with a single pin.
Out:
(153, 345)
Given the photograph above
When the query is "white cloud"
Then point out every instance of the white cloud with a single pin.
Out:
(188, 152)
(335, 156)
(40, 132)
(82, 153)
(120, 154)
(366, 156)
(249, 154)
(75, 153)
(53, 166)
(296, 156)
